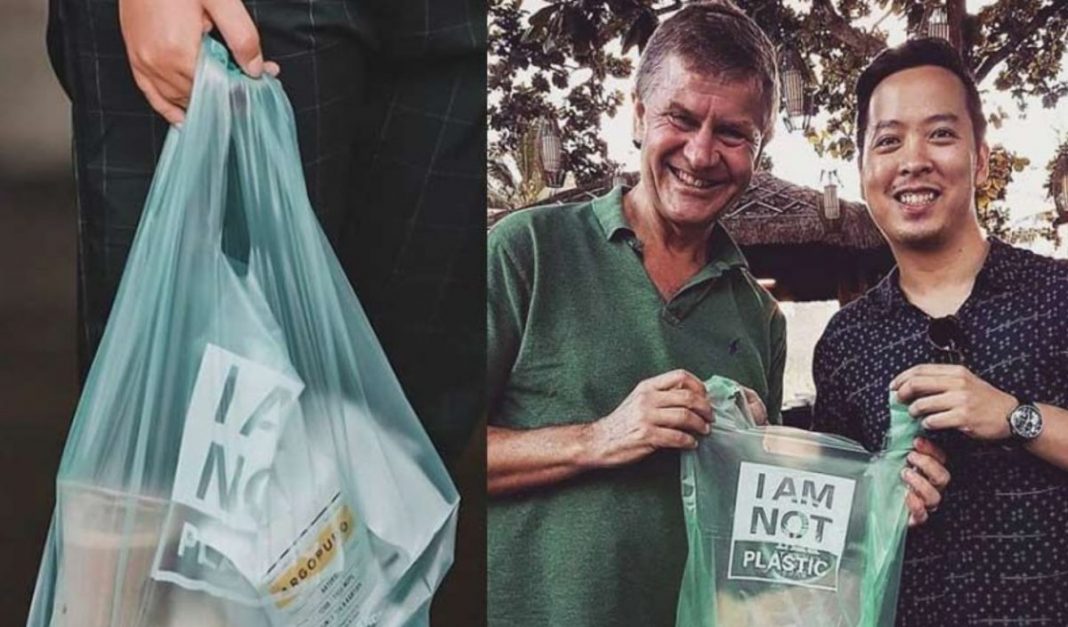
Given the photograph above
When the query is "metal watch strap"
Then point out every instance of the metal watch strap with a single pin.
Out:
(1015, 437)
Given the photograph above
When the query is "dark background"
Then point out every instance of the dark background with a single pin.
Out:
(38, 379)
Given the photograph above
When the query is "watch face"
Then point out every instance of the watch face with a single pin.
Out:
(1026, 422)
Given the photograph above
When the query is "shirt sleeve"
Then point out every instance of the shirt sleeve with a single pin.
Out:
(777, 366)
(508, 292)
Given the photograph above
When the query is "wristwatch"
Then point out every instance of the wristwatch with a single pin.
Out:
(1025, 422)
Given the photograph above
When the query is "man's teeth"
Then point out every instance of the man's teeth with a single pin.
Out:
(691, 180)
(917, 198)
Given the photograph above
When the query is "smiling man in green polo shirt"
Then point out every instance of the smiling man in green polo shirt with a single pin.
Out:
(604, 317)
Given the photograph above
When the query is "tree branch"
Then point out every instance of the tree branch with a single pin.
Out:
(1017, 36)
(863, 44)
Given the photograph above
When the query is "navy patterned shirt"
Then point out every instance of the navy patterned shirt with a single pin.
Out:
(996, 551)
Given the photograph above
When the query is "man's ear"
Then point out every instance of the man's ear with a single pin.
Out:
(982, 164)
(638, 131)
(860, 172)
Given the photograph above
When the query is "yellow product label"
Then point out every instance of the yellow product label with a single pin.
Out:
(316, 558)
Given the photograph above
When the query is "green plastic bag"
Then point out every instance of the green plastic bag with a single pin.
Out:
(791, 528)
(242, 454)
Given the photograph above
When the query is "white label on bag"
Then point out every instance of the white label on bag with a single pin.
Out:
(789, 526)
(235, 419)
(259, 517)
(309, 586)
(213, 537)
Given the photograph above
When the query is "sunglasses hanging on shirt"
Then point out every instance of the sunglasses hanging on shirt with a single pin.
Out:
(946, 336)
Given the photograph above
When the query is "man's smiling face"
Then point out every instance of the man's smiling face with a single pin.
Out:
(701, 136)
(920, 164)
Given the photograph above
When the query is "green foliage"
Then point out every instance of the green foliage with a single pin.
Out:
(1025, 41)
(554, 63)
(1002, 164)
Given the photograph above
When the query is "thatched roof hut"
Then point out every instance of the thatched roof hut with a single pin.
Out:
(772, 211)
(782, 229)
(776, 211)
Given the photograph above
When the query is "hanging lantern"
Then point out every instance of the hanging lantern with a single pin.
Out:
(832, 208)
(795, 100)
(938, 23)
(551, 152)
(1058, 186)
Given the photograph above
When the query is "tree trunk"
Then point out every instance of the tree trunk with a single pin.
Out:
(956, 13)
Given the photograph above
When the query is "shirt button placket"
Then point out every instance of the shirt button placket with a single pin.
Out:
(670, 314)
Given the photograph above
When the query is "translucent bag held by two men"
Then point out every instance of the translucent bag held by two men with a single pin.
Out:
(242, 454)
(791, 528)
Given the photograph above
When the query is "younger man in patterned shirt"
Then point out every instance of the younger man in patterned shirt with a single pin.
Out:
(973, 335)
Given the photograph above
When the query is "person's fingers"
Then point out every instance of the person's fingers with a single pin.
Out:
(272, 68)
(951, 419)
(239, 32)
(693, 384)
(759, 413)
(170, 76)
(183, 74)
(675, 379)
(922, 488)
(672, 438)
(756, 406)
(935, 472)
(927, 447)
(921, 386)
(681, 419)
(935, 403)
(176, 94)
(917, 512)
(161, 105)
(926, 370)
(682, 397)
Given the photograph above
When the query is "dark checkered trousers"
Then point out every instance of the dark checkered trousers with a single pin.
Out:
(390, 108)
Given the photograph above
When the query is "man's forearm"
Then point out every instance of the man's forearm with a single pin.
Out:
(519, 460)
(1052, 444)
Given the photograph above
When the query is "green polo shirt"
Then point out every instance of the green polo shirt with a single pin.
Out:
(574, 324)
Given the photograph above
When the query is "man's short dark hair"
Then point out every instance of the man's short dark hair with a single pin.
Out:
(915, 53)
(714, 38)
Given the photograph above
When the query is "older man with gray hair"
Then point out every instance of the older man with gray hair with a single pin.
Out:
(604, 318)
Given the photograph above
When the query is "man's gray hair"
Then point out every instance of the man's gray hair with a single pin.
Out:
(714, 37)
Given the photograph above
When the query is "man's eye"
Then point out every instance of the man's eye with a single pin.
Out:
(943, 133)
(733, 137)
(678, 118)
(884, 141)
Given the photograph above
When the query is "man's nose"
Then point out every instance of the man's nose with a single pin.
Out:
(915, 158)
(702, 150)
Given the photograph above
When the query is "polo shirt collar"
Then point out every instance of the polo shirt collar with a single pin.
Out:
(723, 253)
(995, 275)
